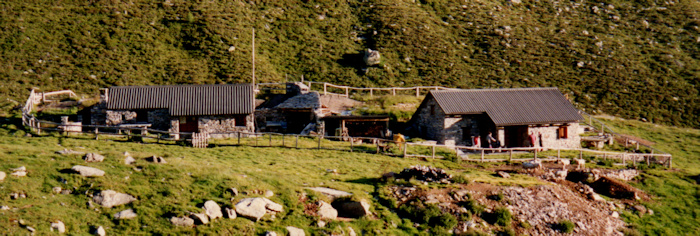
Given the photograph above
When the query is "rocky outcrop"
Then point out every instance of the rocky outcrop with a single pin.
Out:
(88, 171)
(110, 198)
(425, 173)
(353, 209)
(93, 157)
(332, 193)
(213, 210)
(371, 57)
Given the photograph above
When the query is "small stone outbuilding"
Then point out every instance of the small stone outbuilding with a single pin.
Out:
(218, 109)
(523, 117)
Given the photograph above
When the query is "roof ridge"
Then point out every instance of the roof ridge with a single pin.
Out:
(496, 89)
(181, 85)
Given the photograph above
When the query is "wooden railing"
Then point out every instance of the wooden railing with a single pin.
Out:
(348, 90)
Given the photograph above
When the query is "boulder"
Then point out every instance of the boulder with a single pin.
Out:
(533, 164)
(93, 157)
(270, 233)
(2, 176)
(371, 57)
(57, 189)
(503, 174)
(125, 214)
(351, 232)
(212, 210)
(255, 208)
(88, 171)
(269, 193)
(200, 218)
(156, 159)
(4, 208)
(110, 198)
(230, 213)
(182, 221)
(129, 160)
(354, 209)
(100, 231)
(326, 211)
(68, 152)
(58, 226)
(19, 171)
(234, 191)
(294, 231)
(332, 193)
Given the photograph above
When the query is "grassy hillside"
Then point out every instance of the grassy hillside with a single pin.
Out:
(635, 59)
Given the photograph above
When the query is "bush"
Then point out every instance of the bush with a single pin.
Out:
(564, 226)
(473, 206)
(460, 179)
(430, 215)
(507, 232)
(502, 216)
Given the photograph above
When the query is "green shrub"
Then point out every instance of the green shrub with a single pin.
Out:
(460, 179)
(502, 216)
(473, 206)
(507, 232)
(564, 226)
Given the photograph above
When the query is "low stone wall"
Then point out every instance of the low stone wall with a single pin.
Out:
(550, 136)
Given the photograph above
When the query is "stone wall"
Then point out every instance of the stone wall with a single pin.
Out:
(550, 136)
(474, 124)
(159, 119)
(429, 121)
(174, 128)
(116, 117)
(98, 114)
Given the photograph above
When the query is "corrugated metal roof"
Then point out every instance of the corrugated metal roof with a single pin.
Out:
(185, 100)
(311, 100)
(510, 106)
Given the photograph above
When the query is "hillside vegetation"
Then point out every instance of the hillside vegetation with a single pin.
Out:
(636, 59)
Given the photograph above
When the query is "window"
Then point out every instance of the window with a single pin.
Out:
(432, 110)
(563, 132)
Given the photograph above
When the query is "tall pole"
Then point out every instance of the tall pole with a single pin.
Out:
(254, 87)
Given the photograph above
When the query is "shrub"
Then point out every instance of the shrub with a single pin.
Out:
(507, 232)
(564, 226)
(460, 179)
(502, 216)
(473, 206)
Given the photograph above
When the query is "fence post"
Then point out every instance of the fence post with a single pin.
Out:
(670, 161)
(624, 157)
(370, 92)
(433, 150)
(96, 133)
(239, 138)
(417, 91)
(325, 91)
(580, 154)
(647, 160)
(347, 92)
(393, 91)
(482, 155)
(558, 154)
(535, 153)
(405, 149)
(351, 144)
(270, 143)
(376, 141)
(319, 141)
(510, 154)
(283, 140)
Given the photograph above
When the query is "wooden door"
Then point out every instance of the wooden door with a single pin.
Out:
(189, 124)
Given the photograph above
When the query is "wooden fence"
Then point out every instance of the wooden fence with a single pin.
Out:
(346, 91)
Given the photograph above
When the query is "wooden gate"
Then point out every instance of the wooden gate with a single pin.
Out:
(200, 140)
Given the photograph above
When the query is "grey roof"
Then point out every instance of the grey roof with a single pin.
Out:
(311, 100)
(505, 107)
(185, 100)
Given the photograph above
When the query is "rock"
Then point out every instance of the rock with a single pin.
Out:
(19, 171)
(2, 176)
(200, 218)
(234, 191)
(15, 196)
(354, 209)
(4, 208)
(213, 210)
(270, 233)
(615, 214)
(332, 193)
(88, 171)
(129, 160)
(57, 189)
(351, 232)
(321, 224)
(230, 213)
(326, 211)
(269, 193)
(515, 1)
(371, 57)
(100, 231)
(561, 174)
(58, 226)
(596, 197)
(110, 198)
(425, 173)
(68, 152)
(125, 214)
(156, 159)
(93, 157)
(182, 221)
(650, 211)
(294, 231)
(533, 164)
(640, 208)
(255, 208)
(31, 229)
(503, 174)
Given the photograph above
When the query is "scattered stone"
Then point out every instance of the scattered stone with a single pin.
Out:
(269, 193)
(58, 226)
(326, 211)
(351, 232)
(100, 231)
(230, 213)
(93, 157)
(66, 191)
(234, 191)
(2, 176)
(110, 198)
(57, 189)
(640, 208)
(294, 231)
(4, 208)
(125, 214)
(182, 221)
(321, 224)
(615, 214)
(156, 159)
(31, 229)
(533, 164)
(200, 218)
(129, 160)
(88, 171)
(354, 209)
(503, 174)
(212, 210)
(596, 197)
(19, 171)
(425, 173)
(515, 1)
(15, 196)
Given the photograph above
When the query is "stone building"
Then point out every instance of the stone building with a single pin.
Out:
(514, 117)
(215, 109)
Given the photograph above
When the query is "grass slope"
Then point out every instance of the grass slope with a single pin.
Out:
(636, 59)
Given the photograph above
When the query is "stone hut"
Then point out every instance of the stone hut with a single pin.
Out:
(215, 109)
(524, 117)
